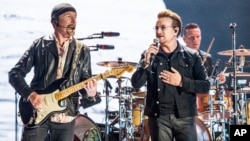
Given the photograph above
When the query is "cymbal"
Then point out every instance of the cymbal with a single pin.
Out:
(115, 63)
(238, 52)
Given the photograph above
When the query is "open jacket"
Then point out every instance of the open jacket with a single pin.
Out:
(42, 58)
(194, 80)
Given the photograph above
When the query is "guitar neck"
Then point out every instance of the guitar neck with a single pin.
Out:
(118, 71)
(72, 89)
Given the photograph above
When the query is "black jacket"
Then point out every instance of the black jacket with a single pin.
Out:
(194, 80)
(42, 57)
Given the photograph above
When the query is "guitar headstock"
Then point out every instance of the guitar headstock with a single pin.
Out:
(120, 70)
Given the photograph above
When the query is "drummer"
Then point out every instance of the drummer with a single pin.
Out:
(192, 38)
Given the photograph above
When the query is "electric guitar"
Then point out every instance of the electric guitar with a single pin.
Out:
(32, 117)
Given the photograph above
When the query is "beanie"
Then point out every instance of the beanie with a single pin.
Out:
(60, 9)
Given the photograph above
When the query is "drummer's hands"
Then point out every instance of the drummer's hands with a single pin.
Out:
(151, 50)
(91, 88)
(172, 78)
(221, 77)
(36, 100)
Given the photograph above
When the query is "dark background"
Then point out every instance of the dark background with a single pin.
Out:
(214, 18)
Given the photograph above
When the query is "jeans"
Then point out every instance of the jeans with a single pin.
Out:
(170, 128)
(56, 131)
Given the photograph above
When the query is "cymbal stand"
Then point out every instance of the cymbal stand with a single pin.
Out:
(211, 93)
(241, 102)
(107, 86)
(129, 123)
(222, 110)
(122, 111)
(142, 124)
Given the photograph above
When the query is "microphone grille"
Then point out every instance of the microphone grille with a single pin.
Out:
(157, 42)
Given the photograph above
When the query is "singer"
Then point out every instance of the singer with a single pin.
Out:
(55, 56)
(173, 76)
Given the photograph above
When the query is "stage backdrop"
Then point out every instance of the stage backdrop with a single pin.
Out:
(214, 18)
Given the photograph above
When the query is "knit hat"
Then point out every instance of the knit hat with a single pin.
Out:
(60, 9)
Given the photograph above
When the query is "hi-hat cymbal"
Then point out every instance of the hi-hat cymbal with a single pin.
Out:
(238, 52)
(115, 63)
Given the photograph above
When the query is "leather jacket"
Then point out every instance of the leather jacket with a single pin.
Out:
(42, 57)
(194, 80)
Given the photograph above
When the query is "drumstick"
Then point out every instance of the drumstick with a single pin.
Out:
(208, 50)
(226, 66)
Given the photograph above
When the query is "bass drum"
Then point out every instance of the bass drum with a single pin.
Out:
(202, 131)
(86, 129)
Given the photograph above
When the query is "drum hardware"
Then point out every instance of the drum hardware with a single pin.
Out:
(108, 88)
(216, 117)
(240, 105)
(123, 117)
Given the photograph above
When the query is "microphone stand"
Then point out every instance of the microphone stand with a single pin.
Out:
(232, 26)
(107, 86)
(16, 121)
(93, 36)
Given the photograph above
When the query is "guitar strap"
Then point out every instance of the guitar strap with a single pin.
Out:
(76, 56)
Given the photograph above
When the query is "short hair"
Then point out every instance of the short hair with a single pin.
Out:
(177, 22)
(190, 26)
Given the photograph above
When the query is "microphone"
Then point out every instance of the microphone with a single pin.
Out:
(101, 46)
(108, 84)
(215, 67)
(242, 61)
(232, 25)
(110, 34)
(157, 44)
(242, 58)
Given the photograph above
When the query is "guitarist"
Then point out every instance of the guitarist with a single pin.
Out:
(52, 58)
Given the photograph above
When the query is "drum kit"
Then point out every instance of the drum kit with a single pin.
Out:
(126, 124)
(226, 104)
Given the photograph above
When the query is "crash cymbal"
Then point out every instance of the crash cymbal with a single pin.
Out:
(115, 63)
(238, 52)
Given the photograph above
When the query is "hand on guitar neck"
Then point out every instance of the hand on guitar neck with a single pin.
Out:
(91, 88)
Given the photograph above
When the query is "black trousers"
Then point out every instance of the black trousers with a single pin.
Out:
(170, 128)
(57, 132)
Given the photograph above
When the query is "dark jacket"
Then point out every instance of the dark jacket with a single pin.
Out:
(42, 57)
(194, 80)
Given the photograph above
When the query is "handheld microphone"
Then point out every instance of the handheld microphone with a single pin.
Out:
(157, 44)
(101, 46)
